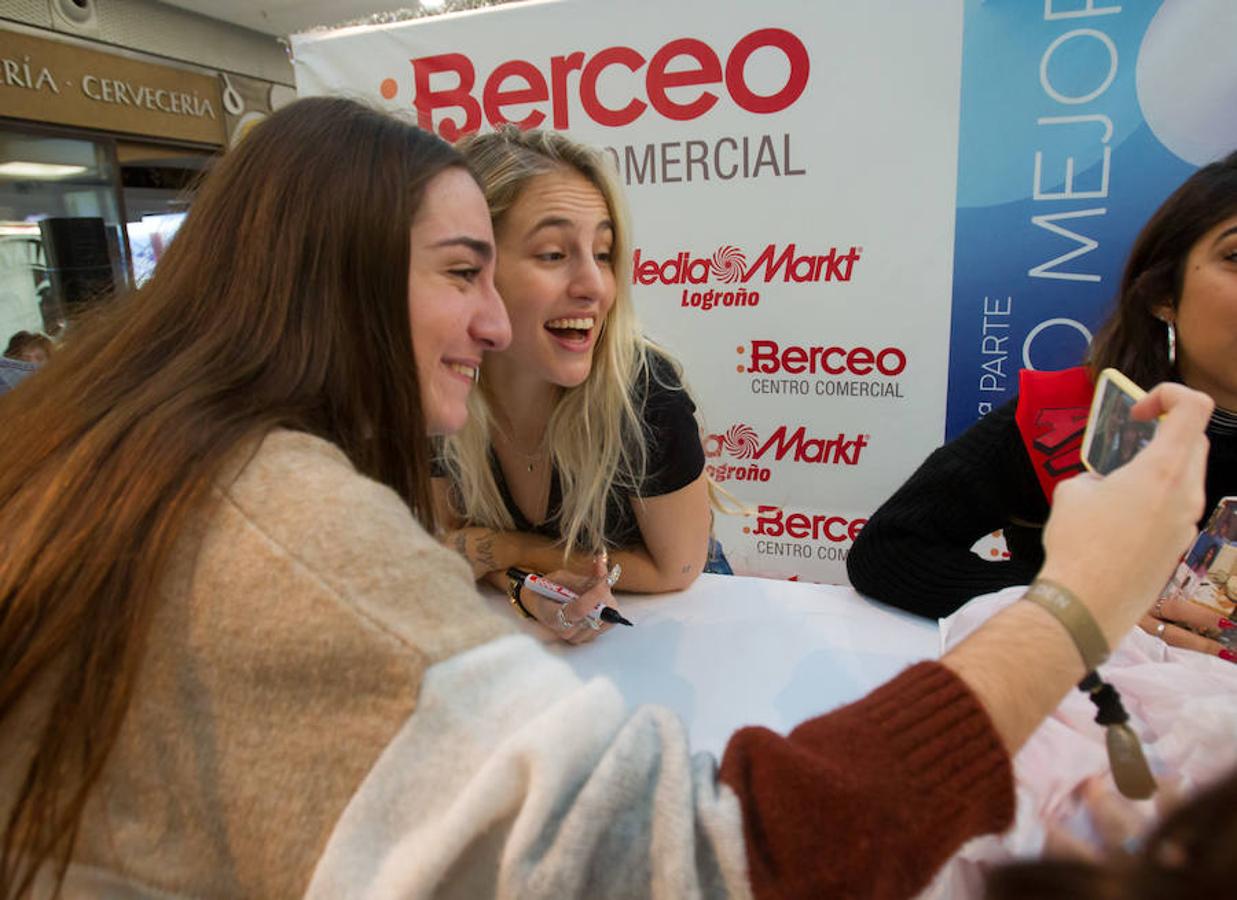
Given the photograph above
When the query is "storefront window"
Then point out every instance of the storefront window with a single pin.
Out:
(158, 182)
(60, 241)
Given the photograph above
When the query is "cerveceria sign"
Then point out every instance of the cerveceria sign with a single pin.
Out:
(69, 85)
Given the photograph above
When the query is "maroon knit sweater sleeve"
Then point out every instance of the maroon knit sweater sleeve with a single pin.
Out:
(870, 800)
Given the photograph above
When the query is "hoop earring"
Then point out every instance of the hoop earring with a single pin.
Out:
(1172, 342)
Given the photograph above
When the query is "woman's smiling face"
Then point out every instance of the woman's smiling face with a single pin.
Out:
(555, 275)
(454, 312)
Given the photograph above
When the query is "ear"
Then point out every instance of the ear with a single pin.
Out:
(1165, 312)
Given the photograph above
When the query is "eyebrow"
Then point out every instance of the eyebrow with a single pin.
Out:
(1225, 234)
(563, 221)
(484, 249)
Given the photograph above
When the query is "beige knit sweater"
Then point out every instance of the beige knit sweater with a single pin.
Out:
(290, 647)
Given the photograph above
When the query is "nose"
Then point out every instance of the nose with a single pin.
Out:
(490, 325)
(588, 278)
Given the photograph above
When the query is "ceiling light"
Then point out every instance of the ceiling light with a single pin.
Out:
(20, 169)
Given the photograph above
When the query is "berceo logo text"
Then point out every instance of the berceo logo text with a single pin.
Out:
(518, 82)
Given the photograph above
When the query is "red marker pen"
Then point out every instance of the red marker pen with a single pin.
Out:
(542, 586)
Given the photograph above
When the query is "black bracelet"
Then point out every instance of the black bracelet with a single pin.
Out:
(515, 583)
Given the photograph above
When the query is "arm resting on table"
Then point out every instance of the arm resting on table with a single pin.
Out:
(915, 551)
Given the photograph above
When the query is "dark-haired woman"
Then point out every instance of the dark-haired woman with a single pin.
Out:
(213, 593)
(235, 662)
(1175, 320)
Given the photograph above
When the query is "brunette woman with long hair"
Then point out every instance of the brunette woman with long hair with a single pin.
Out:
(283, 303)
(1174, 319)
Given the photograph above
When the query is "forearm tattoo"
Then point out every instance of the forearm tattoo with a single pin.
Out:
(485, 553)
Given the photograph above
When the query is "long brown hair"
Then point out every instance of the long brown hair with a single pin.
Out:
(282, 302)
(1133, 339)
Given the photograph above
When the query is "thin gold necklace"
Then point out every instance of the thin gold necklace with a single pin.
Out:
(530, 459)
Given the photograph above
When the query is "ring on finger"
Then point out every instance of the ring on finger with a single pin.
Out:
(1158, 609)
(563, 624)
(1159, 629)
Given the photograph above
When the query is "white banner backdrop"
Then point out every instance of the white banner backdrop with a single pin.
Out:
(791, 170)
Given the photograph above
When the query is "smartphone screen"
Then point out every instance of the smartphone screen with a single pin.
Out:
(1113, 436)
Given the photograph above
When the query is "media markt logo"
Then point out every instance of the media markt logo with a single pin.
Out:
(728, 264)
(728, 274)
(741, 442)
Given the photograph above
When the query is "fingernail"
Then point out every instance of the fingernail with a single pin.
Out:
(613, 577)
(1227, 625)
(1229, 655)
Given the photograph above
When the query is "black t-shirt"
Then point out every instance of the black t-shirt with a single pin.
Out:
(674, 458)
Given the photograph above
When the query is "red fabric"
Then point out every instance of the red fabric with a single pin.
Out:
(871, 799)
(1051, 417)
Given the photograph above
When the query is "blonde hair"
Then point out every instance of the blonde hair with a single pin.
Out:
(595, 435)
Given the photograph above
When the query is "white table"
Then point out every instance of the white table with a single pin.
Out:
(732, 651)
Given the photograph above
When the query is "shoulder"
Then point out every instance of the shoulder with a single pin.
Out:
(660, 385)
(991, 452)
(293, 482)
(996, 429)
(302, 503)
(662, 367)
(671, 433)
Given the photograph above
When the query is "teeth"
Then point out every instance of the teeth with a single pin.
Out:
(584, 324)
(469, 371)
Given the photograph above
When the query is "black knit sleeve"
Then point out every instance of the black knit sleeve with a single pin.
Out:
(672, 437)
(914, 553)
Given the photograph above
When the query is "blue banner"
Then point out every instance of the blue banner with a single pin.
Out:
(1066, 111)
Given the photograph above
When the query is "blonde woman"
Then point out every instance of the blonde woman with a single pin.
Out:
(582, 440)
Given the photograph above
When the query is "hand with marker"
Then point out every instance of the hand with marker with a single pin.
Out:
(589, 608)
